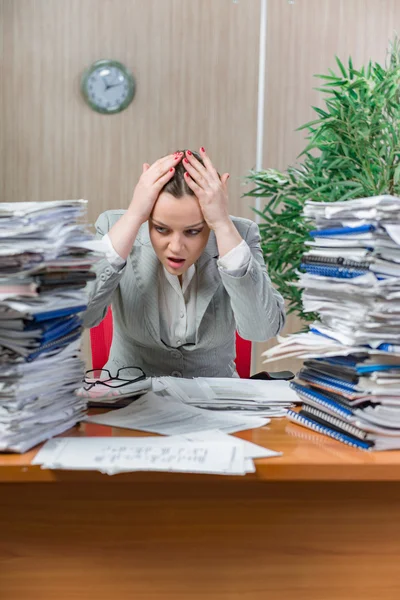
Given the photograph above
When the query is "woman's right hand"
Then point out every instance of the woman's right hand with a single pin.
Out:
(150, 184)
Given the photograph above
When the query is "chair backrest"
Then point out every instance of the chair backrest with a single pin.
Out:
(101, 337)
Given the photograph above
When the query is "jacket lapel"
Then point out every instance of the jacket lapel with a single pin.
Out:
(146, 266)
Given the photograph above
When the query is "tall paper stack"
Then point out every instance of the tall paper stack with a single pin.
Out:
(350, 382)
(46, 257)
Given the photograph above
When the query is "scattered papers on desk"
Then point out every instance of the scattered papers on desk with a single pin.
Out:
(350, 382)
(164, 415)
(233, 395)
(46, 258)
(210, 452)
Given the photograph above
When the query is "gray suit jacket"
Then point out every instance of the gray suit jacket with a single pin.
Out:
(224, 304)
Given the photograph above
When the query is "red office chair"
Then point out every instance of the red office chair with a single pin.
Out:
(101, 337)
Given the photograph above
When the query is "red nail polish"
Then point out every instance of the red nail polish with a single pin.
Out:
(190, 154)
(185, 160)
(202, 149)
(171, 169)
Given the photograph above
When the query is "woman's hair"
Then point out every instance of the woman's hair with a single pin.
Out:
(177, 185)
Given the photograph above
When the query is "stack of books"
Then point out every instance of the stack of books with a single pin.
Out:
(46, 258)
(349, 385)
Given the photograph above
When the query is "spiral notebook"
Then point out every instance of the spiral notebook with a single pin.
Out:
(336, 383)
(339, 261)
(325, 430)
(347, 373)
(328, 420)
(322, 400)
(336, 272)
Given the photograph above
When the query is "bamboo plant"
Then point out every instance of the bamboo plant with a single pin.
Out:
(353, 151)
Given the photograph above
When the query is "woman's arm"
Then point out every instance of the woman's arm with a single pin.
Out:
(259, 309)
(123, 232)
(151, 182)
(108, 276)
(257, 306)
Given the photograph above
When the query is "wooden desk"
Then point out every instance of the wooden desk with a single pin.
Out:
(322, 522)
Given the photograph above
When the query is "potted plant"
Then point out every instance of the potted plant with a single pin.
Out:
(353, 151)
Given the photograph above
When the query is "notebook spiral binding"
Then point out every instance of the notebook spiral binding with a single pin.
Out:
(340, 437)
(312, 395)
(338, 272)
(351, 388)
(335, 260)
(337, 422)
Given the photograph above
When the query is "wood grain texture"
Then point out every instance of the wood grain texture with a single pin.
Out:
(303, 39)
(196, 69)
(158, 541)
(306, 456)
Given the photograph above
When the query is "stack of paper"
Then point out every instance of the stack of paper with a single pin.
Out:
(232, 395)
(45, 261)
(207, 452)
(350, 386)
(168, 416)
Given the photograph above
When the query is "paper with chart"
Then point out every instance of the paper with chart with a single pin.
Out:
(169, 417)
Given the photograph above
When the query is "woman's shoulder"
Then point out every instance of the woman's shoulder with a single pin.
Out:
(108, 218)
(244, 225)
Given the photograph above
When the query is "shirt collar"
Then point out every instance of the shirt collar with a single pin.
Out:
(186, 279)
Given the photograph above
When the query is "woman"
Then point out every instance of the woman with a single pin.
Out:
(181, 274)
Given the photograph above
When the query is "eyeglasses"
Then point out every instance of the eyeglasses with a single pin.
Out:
(124, 376)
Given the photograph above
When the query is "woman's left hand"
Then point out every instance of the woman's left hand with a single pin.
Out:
(210, 190)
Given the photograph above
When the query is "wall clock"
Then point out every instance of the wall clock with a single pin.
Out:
(107, 86)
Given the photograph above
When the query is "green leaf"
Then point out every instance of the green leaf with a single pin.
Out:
(309, 124)
(396, 175)
(341, 67)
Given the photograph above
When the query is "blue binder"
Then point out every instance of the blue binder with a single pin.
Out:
(337, 272)
(339, 231)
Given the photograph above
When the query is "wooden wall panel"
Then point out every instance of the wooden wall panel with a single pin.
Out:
(196, 67)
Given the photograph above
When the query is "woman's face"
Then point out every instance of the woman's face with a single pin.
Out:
(178, 232)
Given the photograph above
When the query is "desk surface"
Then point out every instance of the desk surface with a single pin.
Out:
(307, 456)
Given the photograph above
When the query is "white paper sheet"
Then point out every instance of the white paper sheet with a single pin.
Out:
(206, 452)
(250, 450)
(163, 415)
(237, 397)
(117, 455)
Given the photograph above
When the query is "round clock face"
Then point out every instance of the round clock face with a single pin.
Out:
(108, 87)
